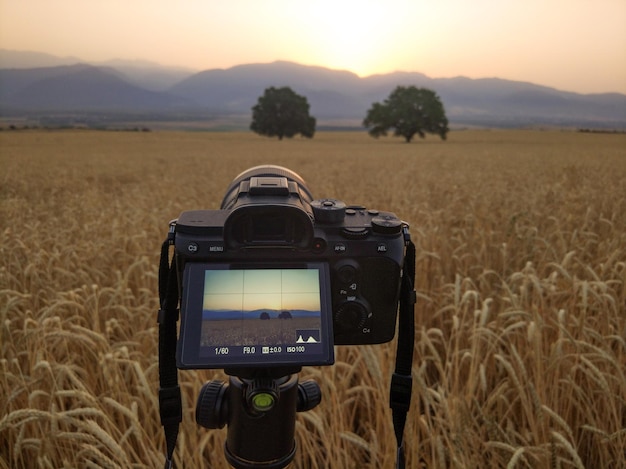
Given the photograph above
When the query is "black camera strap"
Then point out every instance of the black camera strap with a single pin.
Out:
(402, 380)
(170, 404)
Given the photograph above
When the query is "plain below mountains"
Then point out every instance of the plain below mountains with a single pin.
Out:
(224, 314)
(155, 92)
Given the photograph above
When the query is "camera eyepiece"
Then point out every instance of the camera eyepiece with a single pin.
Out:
(270, 207)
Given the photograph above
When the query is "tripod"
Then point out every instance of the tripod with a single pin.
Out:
(259, 407)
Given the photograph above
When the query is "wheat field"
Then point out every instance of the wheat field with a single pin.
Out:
(520, 355)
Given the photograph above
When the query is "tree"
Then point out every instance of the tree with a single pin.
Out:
(282, 113)
(409, 111)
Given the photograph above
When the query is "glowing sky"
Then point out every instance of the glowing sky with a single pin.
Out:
(576, 45)
(272, 289)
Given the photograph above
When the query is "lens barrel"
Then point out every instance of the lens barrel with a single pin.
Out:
(230, 196)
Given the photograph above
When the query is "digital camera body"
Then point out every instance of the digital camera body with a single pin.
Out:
(276, 277)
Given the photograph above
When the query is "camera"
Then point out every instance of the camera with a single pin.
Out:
(276, 277)
(266, 284)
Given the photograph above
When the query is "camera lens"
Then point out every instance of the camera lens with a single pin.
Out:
(263, 171)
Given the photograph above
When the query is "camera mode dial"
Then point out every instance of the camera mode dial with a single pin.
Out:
(328, 210)
(386, 225)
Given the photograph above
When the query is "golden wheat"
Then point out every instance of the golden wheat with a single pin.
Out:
(521, 282)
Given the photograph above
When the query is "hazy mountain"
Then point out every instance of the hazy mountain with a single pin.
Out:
(237, 89)
(224, 314)
(521, 102)
(340, 94)
(30, 59)
(77, 88)
(137, 86)
(149, 75)
(143, 73)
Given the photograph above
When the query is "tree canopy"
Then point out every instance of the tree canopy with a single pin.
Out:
(409, 111)
(280, 112)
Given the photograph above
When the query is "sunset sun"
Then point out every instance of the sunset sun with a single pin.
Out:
(355, 36)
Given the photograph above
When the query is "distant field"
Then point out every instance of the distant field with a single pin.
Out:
(520, 355)
(254, 331)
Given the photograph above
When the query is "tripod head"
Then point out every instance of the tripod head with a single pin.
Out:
(259, 409)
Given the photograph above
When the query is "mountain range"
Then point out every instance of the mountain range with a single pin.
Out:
(226, 314)
(34, 84)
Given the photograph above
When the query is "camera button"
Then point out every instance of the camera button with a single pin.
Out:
(340, 248)
(347, 274)
(192, 248)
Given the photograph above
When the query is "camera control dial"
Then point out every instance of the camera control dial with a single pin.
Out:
(328, 210)
(355, 233)
(350, 317)
(386, 225)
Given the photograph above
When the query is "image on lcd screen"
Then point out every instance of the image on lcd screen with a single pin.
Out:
(261, 306)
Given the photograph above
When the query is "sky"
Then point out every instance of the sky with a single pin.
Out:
(248, 290)
(573, 45)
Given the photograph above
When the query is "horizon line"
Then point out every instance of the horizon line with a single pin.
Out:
(195, 70)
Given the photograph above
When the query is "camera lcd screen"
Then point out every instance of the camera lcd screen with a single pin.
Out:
(246, 316)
